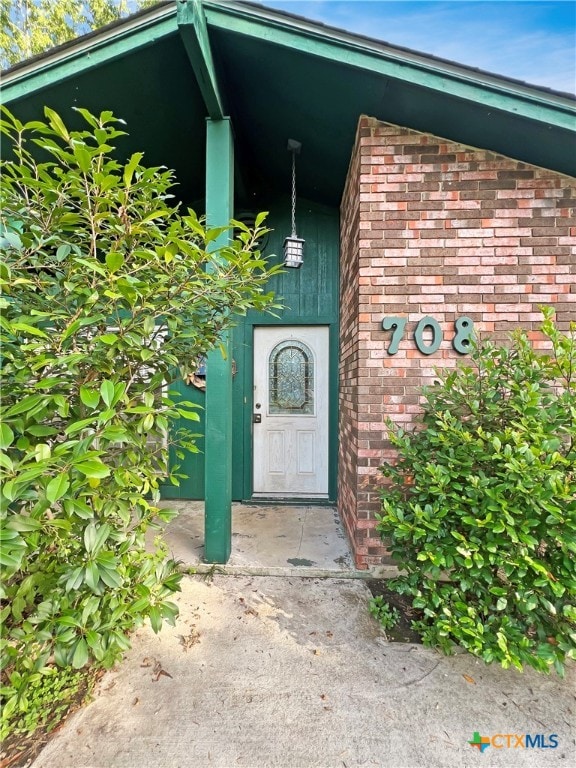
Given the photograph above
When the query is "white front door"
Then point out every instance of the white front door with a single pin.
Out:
(291, 411)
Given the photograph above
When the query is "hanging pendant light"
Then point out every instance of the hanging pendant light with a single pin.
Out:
(293, 245)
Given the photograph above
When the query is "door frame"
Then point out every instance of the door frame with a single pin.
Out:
(317, 339)
(247, 344)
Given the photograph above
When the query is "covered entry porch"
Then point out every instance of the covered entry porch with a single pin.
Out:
(215, 89)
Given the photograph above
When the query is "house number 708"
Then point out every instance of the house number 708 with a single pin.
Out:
(463, 330)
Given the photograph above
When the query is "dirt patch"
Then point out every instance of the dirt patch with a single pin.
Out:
(402, 632)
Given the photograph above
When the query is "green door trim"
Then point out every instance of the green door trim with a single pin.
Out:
(247, 342)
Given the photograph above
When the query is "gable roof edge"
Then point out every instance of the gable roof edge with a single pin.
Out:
(94, 48)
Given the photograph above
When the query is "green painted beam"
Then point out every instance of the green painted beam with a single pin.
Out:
(194, 33)
(342, 48)
(87, 53)
(218, 441)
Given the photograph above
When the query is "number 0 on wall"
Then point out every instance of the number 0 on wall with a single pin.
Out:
(463, 327)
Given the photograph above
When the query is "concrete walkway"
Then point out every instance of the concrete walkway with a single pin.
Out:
(292, 672)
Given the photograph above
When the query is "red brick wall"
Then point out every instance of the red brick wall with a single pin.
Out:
(348, 362)
(444, 230)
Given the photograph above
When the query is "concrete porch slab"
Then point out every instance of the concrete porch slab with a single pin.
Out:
(282, 540)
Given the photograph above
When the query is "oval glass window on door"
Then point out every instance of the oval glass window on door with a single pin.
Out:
(291, 379)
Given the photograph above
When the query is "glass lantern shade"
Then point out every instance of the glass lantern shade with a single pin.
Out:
(293, 252)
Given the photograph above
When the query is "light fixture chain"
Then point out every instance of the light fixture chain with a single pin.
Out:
(293, 194)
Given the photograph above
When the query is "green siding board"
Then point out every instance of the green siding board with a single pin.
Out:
(191, 487)
(310, 296)
(241, 412)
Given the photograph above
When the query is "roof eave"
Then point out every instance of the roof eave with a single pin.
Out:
(88, 51)
(368, 48)
(353, 41)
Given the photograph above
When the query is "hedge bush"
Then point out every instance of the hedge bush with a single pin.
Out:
(106, 295)
(481, 510)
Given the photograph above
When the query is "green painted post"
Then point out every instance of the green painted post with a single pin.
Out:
(218, 444)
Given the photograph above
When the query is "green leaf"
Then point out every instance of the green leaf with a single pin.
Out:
(13, 239)
(162, 214)
(109, 338)
(114, 261)
(57, 487)
(155, 618)
(83, 158)
(26, 404)
(131, 166)
(93, 468)
(119, 390)
(111, 578)
(78, 426)
(107, 392)
(102, 533)
(94, 266)
(6, 436)
(42, 451)
(56, 123)
(9, 489)
(71, 329)
(23, 523)
(26, 328)
(89, 117)
(75, 579)
(115, 434)
(10, 560)
(39, 430)
(6, 462)
(92, 576)
(90, 397)
(63, 252)
(90, 537)
(79, 508)
(80, 657)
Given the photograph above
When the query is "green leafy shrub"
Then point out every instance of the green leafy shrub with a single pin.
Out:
(48, 698)
(481, 511)
(106, 293)
(387, 615)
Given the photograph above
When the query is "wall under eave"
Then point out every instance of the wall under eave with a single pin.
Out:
(307, 296)
(443, 230)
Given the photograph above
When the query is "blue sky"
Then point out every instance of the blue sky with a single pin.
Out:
(532, 40)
